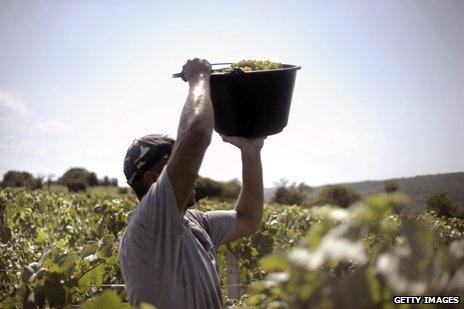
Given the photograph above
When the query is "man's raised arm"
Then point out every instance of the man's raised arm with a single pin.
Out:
(194, 131)
(249, 205)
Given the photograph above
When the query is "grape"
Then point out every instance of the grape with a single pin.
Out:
(255, 65)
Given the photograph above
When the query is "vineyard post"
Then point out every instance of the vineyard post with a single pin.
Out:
(233, 275)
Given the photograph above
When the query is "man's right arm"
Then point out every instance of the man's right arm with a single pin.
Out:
(194, 131)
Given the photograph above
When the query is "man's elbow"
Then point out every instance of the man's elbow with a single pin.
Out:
(202, 133)
(255, 227)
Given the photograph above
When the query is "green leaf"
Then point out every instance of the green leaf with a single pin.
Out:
(113, 260)
(89, 249)
(9, 303)
(105, 300)
(68, 263)
(92, 277)
(105, 245)
(41, 235)
(273, 262)
(60, 244)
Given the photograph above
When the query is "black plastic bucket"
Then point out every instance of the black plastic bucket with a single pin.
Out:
(252, 104)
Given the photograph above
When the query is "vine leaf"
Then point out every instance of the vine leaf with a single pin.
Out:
(106, 300)
(92, 277)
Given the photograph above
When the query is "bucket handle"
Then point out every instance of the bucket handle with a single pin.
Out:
(181, 74)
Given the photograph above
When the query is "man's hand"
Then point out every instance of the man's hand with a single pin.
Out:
(195, 70)
(245, 144)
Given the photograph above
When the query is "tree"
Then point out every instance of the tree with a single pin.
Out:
(231, 189)
(207, 187)
(17, 179)
(76, 187)
(49, 180)
(21, 179)
(443, 206)
(391, 186)
(106, 181)
(92, 179)
(75, 175)
(291, 194)
(337, 195)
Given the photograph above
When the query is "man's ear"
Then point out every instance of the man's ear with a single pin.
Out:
(150, 177)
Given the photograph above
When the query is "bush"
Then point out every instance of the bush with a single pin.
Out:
(291, 195)
(107, 182)
(81, 175)
(123, 190)
(76, 187)
(92, 179)
(206, 187)
(337, 195)
(75, 175)
(36, 183)
(391, 186)
(443, 206)
(21, 179)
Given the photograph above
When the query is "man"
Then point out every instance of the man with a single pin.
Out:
(168, 252)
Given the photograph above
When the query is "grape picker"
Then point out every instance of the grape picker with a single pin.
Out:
(168, 251)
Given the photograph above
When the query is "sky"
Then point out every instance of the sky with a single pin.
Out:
(380, 93)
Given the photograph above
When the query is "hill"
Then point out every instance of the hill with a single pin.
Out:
(419, 188)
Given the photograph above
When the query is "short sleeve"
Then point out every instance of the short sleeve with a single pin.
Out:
(219, 224)
(157, 212)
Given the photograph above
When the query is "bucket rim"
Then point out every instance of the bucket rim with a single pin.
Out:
(286, 68)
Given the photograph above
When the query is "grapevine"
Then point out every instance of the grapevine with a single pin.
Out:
(61, 249)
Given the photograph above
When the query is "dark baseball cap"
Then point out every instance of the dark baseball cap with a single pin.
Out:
(144, 153)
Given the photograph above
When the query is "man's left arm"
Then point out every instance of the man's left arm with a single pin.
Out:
(249, 206)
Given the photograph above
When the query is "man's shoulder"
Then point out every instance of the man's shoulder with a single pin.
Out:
(195, 215)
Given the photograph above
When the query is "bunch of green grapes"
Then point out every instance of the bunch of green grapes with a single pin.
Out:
(256, 65)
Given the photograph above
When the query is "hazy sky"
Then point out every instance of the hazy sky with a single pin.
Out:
(380, 93)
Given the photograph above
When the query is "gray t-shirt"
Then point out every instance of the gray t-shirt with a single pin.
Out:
(168, 258)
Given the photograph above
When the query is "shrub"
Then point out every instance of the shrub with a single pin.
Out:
(36, 183)
(293, 194)
(337, 195)
(75, 175)
(206, 187)
(391, 186)
(107, 182)
(92, 179)
(21, 179)
(81, 175)
(123, 190)
(443, 206)
(76, 186)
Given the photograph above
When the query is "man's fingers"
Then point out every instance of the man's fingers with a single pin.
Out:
(229, 139)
